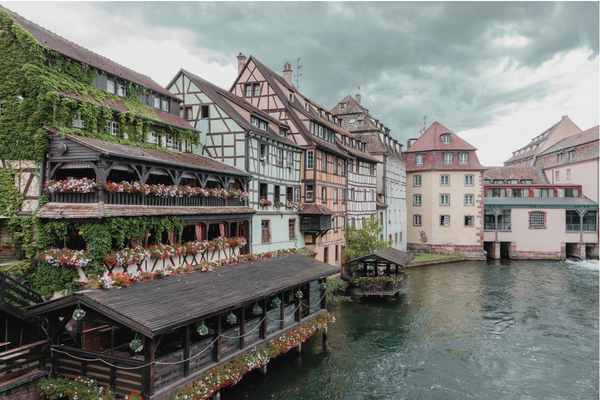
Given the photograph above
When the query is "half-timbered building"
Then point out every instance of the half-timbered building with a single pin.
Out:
(241, 135)
(391, 169)
(324, 181)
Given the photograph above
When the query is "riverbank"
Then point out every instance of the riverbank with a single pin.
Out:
(432, 259)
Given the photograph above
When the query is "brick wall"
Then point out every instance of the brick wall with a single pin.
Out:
(28, 391)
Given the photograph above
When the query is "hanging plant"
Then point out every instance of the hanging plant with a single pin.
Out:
(299, 294)
(323, 286)
(78, 313)
(256, 310)
(231, 318)
(276, 303)
(202, 330)
(136, 345)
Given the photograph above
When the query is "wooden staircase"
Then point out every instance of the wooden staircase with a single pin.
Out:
(14, 297)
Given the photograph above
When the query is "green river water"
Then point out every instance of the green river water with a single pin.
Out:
(467, 330)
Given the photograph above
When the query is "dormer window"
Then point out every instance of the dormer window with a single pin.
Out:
(320, 113)
(121, 90)
(78, 123)
(259, 123)
(152, 138)
(343, 105)
(110, 86)
(352, 120)
(283, 132)
(463, 158)
(157, 102)
(420, 158)
(165, 105)
(112, 127)
(446, 138)
(306, 106)
(172, 144)
(447, 158)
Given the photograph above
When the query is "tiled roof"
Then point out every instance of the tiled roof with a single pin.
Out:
(100, 210)
(223, 97)
(537, 141)
(435, 160)
(314, 208)
(358, 154)
(570, 142)
(536, 174)
(390, 254)
(431, 139)
(153, 155)
(165, 117)
(65, 47)
(546, 202)
(376, 146)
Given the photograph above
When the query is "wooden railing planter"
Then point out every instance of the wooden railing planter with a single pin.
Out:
(230, 341)
(124, 381)
(23, 361)
(136, 199)
(70, 197)
(379, 288)
(252, 331)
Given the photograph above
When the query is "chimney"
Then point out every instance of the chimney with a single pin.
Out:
(358, 99)
(287, 73)
(565, 116)
(410, 142)
(241, 62)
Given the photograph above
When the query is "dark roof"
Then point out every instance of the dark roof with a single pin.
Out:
(313, 208)
(536, 174)
(434, 160)
(584, 145)
(99, 210)
(65, 47)
(153, 155)
(376, 146)
(431, 139)
(357, 153)
(539, 202)
(223, 98)
(161, 305)
(390, 254)
(590, 135)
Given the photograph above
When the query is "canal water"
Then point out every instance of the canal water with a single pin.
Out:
(468, 330)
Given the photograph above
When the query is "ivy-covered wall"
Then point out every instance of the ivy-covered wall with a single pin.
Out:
(33, 81)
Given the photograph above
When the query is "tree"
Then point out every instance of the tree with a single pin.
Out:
(365, 240)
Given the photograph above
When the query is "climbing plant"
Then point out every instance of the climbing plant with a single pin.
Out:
(11, 198)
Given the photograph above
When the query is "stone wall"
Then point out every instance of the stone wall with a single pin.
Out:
(537, 255)
(471, 252)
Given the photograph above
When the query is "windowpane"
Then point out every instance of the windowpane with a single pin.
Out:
(468, 199)
(468, 180)
(417, 180)
(463, 158)
(537, 220)
(445, 180)
(248, 90)
(444, 199)
(256, 89)
(110, 86)
(444, 220)
(420, 159)
(447, 158)
(417, 200)
(310, 159)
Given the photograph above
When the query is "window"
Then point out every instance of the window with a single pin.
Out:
(568, 174)
(324, 162)
(335, 165)
(292, 229)
(289, 194)
(279, 157)
(297, 194)
(290, 159)
(256, 89)
(110, 86)
(264, 152)
(344, 195)
(446, 138)
(463, 158)
(205, 112)
(1, 107)
(558, 175)
(112, 127)
(153, 138)
(527, 181)
(573, 221)
(283, 132)
(78, 122)
(165, 105)
(571, 154)
(156, 102)
(265, 231)
(121, 90)
(352, 120)
(496, 192)
(337, 248)
(444, 199)
(559, 158)
(420, 158)
(343, 166)
(263, 190)
(468, 199)
(172, 143)
(247, 90)
(546, 193)
(371, 169)
(334, 223)
(469, 220)
(324, 194)
(445, 180)
(503, 221)
(468, 180)
(417, 180)
(417, 199)
(310, 193)
(326, 255)
(189, 113)
(448, 158)
(444, 220)
(530, 161)
(395, 238)
(513, 181)
(537, 220)
(335, 195)
(276, 194)
(310, 159)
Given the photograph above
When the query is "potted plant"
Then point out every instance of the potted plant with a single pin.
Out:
(146, 276)
(159, 273)
(170, 270)
(93, 283)
(265, 202)
(279, 204)
(181, 270)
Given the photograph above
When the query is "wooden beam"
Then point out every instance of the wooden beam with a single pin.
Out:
(218, 344)
(186, 352)
(242, 328)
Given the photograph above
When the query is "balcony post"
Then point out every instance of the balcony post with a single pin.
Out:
(497, 212)
(582, 212)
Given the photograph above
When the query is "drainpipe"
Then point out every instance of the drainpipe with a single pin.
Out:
(42, 178)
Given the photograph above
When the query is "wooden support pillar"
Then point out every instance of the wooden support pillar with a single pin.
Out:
(323, 296)
(299, 308)
(186, 352)
(263, 329)
(282, 311)
(218, 344)
(79, 333)
(242, 328)
(150, 345)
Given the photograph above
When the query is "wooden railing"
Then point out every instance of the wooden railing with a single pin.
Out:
(78, 362)
(136, 199)
(379, 288)
(19, 363)
(17, 294)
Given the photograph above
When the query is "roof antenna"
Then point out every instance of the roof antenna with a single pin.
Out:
(424, 125)
(298, 74)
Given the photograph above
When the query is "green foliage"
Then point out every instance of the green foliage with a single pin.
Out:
(11, 198)
(20, 230)
(50, 279)
(80, 388)
(334, 289)
(366, 239)
(33, 78)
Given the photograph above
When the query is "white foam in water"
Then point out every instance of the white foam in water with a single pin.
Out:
(592, 265)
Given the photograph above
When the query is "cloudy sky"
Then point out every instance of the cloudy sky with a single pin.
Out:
(497, 74)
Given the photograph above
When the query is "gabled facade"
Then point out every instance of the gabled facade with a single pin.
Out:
(324, 166)
(526, 155)
(391, 169)
(573, 160)
(445, 194)
(237, 133)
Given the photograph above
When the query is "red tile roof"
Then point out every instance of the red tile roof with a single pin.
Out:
(314, 208)
(431, 139)
(536, 174)
(67, 48)
(101, 210)
(153, 155)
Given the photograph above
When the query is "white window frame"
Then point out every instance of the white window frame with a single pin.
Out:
(157, 102)
(444, 199)
(469, 179)
(446, 138)
(417, 180)
(444, 220)
(417, 220)
(444, 180)
(420, 159)
(248, 90)
(152, 138)
(111, 86)
(121, 91)
(279, 157)
(165, 105)
(463, 158)
(469, 199)
(310, 159)
(447, 158)
(417, 200)
(78, 123)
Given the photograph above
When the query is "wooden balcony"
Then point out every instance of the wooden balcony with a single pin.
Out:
(379, 288)
(137, 199)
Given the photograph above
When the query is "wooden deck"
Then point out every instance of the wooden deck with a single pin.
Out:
(386, 289)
